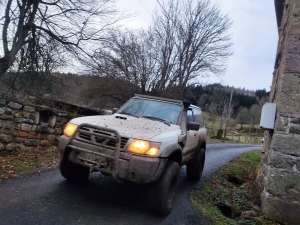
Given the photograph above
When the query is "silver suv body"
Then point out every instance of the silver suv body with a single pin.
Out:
(146, 141)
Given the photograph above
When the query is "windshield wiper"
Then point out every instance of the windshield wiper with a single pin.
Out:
(158, 119)
(126, 113)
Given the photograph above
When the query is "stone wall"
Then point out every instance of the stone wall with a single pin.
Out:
(23, 124)
(279, 177)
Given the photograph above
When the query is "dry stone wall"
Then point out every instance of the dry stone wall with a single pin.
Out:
(279, 177)
(27, 125)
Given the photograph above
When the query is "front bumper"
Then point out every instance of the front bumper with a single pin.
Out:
(115, 162)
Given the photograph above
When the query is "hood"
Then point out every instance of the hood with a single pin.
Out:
(129, 126)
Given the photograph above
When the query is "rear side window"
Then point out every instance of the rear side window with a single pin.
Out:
(190, 117)
(198, 117)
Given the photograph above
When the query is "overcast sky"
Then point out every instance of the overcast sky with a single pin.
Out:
(254, 35)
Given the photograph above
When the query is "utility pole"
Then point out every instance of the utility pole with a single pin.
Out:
(229, 112)
(250, 137)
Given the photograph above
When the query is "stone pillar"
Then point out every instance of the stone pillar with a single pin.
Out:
(279, 176)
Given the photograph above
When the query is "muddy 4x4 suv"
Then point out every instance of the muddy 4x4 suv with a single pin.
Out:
(146, 141)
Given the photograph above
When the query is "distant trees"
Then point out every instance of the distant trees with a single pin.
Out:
(250, 116)
(261, 93)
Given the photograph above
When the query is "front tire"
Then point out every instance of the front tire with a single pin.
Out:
(194, 169)
(161, 194)
(73, 172)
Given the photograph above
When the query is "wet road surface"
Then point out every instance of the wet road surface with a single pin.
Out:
(46, 198)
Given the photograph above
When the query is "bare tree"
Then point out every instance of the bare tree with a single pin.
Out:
(130, 56)
(193, 39)
(74, 25)
(255, 112)
(243, 116)
(219, 109)
(188, 39)
(106, 88)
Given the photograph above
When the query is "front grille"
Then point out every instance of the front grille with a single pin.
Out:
(99, 137)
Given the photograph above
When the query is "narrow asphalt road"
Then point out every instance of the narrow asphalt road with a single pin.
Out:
(46, 198)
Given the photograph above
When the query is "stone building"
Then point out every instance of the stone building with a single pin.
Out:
(279, 177)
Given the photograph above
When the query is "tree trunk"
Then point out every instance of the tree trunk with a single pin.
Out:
(220, 134)
(4, 65)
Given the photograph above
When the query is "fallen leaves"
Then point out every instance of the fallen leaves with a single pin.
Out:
(28, 160)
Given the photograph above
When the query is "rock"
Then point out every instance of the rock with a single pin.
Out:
(58, 131)
(2, 110)
(33, 128)
(23, 134)
(45, 130)
(14, 105)
(295, 120)
(7, 117)
(8, 111)
(25, 127)
(5, 138)
(18, 126)
(18, 120)
(18, 114)
(248, 214)
(282, 211)
(63, 114)
(19, 140)
(35, 117)
(286, 184)
(286, 144)
(279, 160)
(13, 148)
(281, 123)
(289, 103)
(256, 209)
(28, 121)
(7, 131)
(26, 115)
(45, 143)
(2, 102)
(295, 129)
(29, 109)
(51, 137)
(2, 147)
(9, 124)
(32, 135)
(31, 142)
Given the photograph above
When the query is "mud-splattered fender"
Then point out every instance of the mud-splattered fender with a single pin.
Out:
(172, 152)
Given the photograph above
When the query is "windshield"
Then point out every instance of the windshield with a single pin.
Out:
(150, 108)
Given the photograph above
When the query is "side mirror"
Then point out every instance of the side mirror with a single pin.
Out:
(115, 110)
(193, 126)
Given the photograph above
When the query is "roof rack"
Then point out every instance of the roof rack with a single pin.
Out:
(159, 98)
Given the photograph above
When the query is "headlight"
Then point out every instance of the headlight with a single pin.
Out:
(143, 147)
(70, 129)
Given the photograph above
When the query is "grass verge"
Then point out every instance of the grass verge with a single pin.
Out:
(230, 196)
(28, 160)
